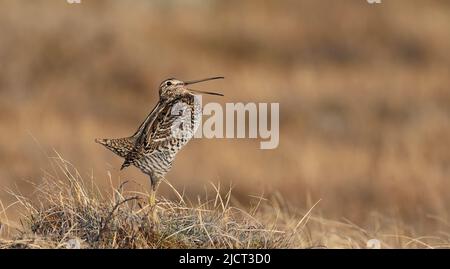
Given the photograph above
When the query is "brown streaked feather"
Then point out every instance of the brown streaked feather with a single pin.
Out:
(162, 129)
(120, 146)
(158, 144)
(140, 136)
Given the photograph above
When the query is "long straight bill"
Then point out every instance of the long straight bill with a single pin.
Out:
(201, 80)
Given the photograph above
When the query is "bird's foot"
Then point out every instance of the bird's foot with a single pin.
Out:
(155, 218)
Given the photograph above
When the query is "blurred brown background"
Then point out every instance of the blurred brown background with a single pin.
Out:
(363, 91)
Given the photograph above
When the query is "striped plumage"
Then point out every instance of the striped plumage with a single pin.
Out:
(168, 127)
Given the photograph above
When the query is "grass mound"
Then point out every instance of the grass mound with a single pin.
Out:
(66, 213)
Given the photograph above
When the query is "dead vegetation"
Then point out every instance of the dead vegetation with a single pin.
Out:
(67, 211)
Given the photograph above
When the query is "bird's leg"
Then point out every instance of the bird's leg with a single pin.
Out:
(152, 196)
(152, 200)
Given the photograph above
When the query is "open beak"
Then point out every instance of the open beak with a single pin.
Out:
(203, 92)
(201, 80)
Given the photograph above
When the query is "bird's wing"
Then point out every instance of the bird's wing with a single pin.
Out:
(162, 125)
(141, 134)
(176, 121)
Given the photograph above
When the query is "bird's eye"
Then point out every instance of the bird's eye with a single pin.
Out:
(168, 83)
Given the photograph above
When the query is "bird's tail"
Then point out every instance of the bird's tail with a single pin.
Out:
(101, 141)
(120, 146)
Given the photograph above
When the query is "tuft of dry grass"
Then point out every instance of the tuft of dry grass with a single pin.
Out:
(67, 211)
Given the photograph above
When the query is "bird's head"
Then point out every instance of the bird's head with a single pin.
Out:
(172, 87)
